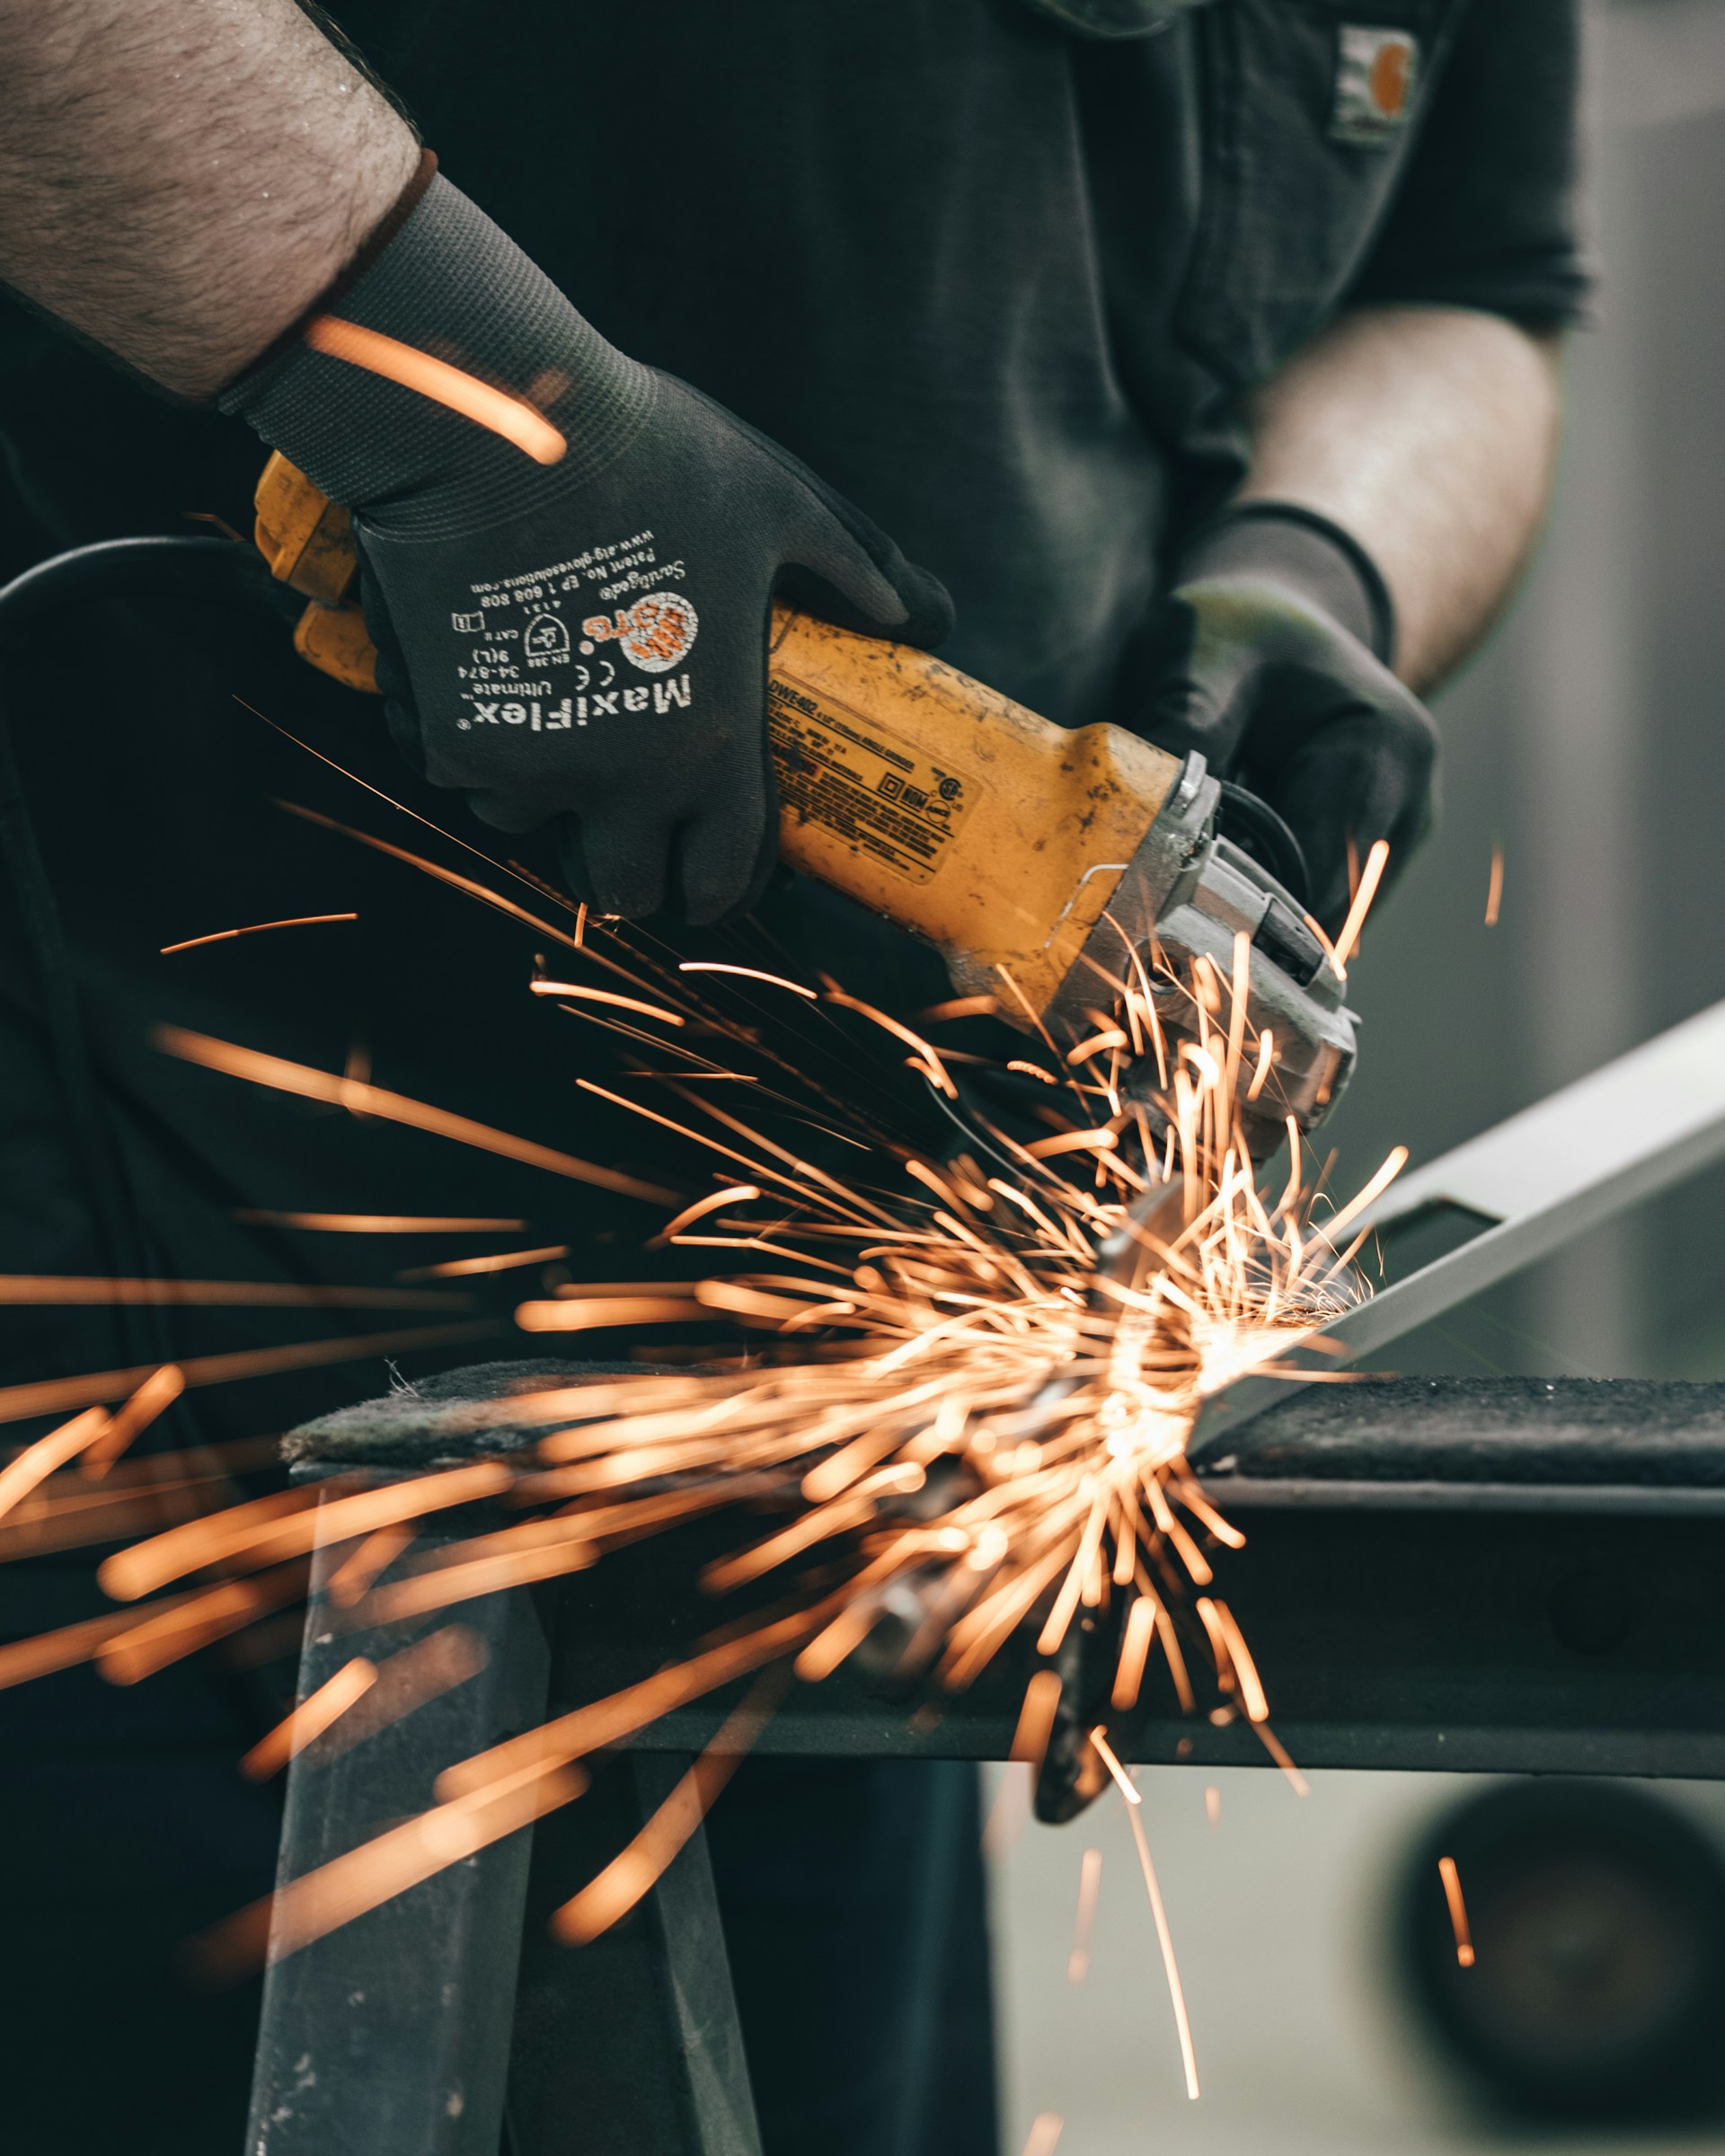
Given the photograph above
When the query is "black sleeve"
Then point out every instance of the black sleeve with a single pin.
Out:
(1491, 212)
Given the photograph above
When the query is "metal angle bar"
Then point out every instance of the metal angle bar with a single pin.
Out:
(1573, 1161)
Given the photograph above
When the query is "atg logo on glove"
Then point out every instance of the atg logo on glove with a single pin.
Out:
(655, 633)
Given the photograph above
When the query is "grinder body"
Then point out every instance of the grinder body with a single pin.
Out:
(1045, 863)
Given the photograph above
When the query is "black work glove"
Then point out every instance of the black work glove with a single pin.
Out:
(582, 639)
(1272, 656)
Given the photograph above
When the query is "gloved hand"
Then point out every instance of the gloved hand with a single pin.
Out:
(1272, 656)
(583, 639)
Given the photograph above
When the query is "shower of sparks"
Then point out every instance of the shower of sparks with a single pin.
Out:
(1452, 1880)
(958, 1377)
(256, 928)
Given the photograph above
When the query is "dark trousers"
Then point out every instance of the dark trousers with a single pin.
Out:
(851, 1895)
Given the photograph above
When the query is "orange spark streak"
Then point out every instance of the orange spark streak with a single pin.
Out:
(930, 1055)
(1252, 1691)
(610, 1896)
(1165, 1940)
(46, 1396)
(435, 379)
(165, 1634)
(146, 1565)
(363, 1100)
(606, 995)
(1090, 1883)
(312, 1715)
(1196, 1503)
(1134, 1649)
(843, 1636)
(407, 1680)
(437, 1589)
(1032, 1070)
(257, 928)
(1212, 1804)
(380, 1224)
(468, 886)
(1035, 1718)
(24, 1660)
(1452, 1879)
(1044, 2134)
(1373, 875)
(735, 1194)
(748, 973)
(1111, 1037)
(595, 1313)
(1279, 1752)
(38, 1461)
(374, 1557)
(66, 1290)
(1072, 1141)
(958, 1006)
(1393, 1167)
(1494, 888)
(319, 1902)
(1266, 1055)
(1106, 1753)
(153, 1398)
(842, 1513)
(609, 1721)
(453, 1268)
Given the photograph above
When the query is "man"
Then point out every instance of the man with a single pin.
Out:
(1206, 353)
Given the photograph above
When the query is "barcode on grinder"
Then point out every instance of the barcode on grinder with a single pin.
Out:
(868, 786)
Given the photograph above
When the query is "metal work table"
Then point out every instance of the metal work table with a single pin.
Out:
(1498, 1574)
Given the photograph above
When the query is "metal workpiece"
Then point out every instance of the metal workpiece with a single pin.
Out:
(1503, 1576)
(1498, 1574)
(1533, 1183)
(392, 2034)
(417, 2028)
(630, 2042)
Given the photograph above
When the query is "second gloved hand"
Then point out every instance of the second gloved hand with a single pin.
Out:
(1272, 656)
(574, 629)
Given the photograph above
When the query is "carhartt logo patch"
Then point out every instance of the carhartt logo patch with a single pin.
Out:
(1376, 71)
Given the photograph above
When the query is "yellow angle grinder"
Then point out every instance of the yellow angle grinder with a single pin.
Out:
(1044, 863)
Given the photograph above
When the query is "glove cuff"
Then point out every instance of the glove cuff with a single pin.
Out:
(447, 283)
(1283, 543)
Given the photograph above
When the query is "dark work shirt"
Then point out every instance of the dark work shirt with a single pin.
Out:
(997, 280)
(1000, 281)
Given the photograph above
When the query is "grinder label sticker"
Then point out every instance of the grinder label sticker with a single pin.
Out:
(866, 785)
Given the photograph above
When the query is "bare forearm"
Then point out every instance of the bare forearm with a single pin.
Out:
(178, 178)
(1431, 434)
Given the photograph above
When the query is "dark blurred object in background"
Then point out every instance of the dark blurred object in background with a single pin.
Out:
(1597, 1914)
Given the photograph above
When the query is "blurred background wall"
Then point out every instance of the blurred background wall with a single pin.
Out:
(1588, 740)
